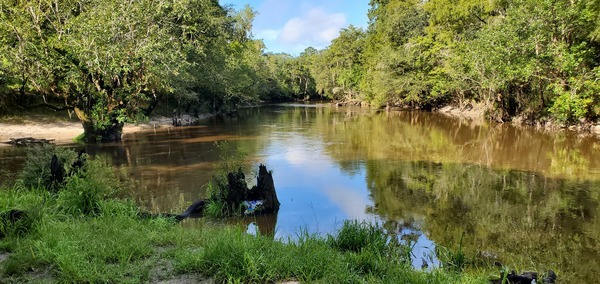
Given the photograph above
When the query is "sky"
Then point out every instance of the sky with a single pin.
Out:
(291, 26)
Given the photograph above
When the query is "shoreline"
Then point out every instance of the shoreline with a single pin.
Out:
(64, 132)
(476, 114)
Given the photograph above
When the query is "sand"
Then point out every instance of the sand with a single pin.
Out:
(65, 131)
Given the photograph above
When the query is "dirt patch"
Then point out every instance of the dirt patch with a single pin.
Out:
(476, 113)
(471, 112)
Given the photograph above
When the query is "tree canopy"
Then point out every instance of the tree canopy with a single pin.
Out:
(533, 59)
(112, 61)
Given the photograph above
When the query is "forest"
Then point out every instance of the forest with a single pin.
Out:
(112, 61)
(528, 59)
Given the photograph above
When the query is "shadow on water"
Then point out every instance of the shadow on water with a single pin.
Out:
(527, 197)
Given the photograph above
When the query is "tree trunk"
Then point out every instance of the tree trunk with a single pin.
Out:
(111, 133)
(265, 190)
(92, 132)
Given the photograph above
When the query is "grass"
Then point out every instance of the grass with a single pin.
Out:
(114, 245)
(84, 234)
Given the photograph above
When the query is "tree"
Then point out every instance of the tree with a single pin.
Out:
(112, 60)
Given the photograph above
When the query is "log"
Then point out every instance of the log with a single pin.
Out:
(29, 140)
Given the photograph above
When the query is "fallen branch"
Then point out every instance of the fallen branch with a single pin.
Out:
(29, 140)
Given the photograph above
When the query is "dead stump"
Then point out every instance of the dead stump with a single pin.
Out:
(265, 190)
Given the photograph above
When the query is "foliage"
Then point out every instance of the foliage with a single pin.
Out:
(522, 58)
(215, 209)
(453, 259)
(113, 62)
(36, 172)
(229, 182)
(82, 190)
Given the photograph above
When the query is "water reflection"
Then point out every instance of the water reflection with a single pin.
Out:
(523, 218)
(528, 197)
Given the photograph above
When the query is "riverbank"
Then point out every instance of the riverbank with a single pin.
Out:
(82, 232)
(476, 113)
(63, 131)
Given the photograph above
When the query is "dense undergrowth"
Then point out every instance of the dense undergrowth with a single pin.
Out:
(84, 233)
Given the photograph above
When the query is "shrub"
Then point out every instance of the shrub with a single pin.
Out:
(36, 172)
(86, 182)
(228, 188)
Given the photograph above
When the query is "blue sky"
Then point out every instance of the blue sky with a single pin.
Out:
(291, 26)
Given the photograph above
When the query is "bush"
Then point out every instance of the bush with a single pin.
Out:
(20, 209)
(86, 182)
(229, 187)
(36, 172)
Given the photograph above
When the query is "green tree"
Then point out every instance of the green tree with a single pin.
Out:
(112, 61)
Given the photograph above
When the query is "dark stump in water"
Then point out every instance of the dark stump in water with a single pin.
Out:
(237, 193)
(265, 190)
(57, 173)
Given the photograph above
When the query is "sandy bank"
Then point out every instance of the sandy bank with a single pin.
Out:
(477, 114)
(63, 132)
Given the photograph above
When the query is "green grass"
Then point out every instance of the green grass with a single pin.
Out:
(114, 245)
(83, 233)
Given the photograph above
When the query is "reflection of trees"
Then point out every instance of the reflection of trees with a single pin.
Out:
(436, 173)
(524, 218)
(413, 136)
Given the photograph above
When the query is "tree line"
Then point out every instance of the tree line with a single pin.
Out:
(114, 61)
(532, 59)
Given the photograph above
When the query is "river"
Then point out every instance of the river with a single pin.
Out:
(524, 197)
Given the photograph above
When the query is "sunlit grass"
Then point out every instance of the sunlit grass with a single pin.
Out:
(83, 233)
(115, 245)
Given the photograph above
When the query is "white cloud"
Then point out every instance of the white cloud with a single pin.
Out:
(351, 201)
(316, 28)
(267, 34)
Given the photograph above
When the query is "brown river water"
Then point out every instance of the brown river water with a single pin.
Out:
(524, 197)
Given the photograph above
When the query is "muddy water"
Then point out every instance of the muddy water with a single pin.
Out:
(526, 198)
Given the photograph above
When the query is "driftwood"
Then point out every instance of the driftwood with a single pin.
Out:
(29, 140)
(195, 210)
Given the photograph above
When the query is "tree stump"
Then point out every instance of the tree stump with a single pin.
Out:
(265, 190)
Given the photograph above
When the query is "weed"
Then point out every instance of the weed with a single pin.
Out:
(454, 260)
(36, 172)
(356, 236)
(215, 209)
